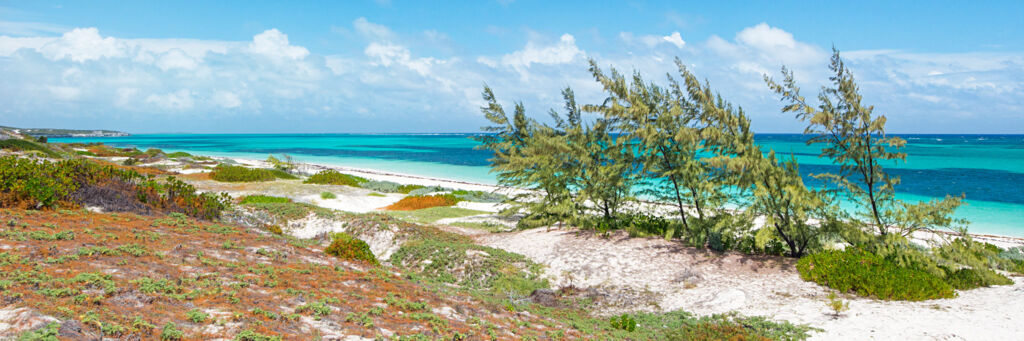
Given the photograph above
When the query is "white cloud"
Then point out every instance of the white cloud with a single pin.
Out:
(65, 93)
(274, 44)
(371, 30)
(226, 99)
(83, 44)
(563, 52)
(176, 59)
(178, 100)
(650, 41)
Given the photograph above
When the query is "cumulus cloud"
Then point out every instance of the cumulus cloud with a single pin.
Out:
(387, 82)
(274, 44)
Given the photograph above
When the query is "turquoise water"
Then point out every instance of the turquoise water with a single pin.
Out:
(989, 169)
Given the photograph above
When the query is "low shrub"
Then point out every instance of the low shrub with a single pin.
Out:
(228, 173)
(175, 155)
(968, 278)
(328, 195)
(479, 196)
(866, 274)
(623, 322)
(263, 199)
(333, 177)
(424, 190)
(410, 203)
(69, 183)
(25, 145)
(381, 186)
(346, 247)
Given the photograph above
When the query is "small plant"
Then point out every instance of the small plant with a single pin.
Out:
(837, 305)
(328, 195)
(171, 332)
(249, 335)
(344, 246)
(623, 322)
(47, 333)
(197, 316)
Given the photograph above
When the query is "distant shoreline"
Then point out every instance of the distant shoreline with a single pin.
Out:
(402, 178)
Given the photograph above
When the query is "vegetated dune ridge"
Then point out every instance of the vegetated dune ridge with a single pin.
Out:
(664, 276)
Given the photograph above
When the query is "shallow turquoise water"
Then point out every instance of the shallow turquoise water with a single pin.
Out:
(989, 169)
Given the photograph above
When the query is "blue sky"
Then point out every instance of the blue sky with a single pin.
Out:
(396, 66)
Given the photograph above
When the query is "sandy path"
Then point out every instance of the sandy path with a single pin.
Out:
(706, 282)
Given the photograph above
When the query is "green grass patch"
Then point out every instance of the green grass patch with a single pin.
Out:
(865, 274)
(375, 194)
(293, 210)
(459, 261)
(264, 199)
(328, 195)
(175, 155)
(432, 214)
(228, 173)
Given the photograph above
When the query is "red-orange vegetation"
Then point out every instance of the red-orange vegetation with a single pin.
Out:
(411, 203)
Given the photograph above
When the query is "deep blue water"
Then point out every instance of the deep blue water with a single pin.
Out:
(988, 169)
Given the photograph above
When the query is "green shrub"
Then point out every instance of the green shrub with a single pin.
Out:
(854, 270)
(479, 196)
(25, 145)
(249, 335)
(263, 199)
(175, 155)
(381, 186)
(967, 278)
(47, 333)
(197, 316)
(421, 190)
(228, 173)
(346, 247)
(171, 332)
(333, 177)
(623, 322)
(328, 195)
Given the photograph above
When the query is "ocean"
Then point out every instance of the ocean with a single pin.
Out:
(988, 169)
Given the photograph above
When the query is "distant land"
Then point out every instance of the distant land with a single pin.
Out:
(48, 132)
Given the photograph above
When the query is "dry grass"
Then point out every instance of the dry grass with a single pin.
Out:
(109, 272)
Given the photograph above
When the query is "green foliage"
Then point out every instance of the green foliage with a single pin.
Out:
(456, 260)
(171, 332)
(794, 213)
(333, 177)
(866, 274)
(967, 278)
(479, 196)
(51, 184)
(263, 199)
(854, 138)
(229, 173)
(624, 322)
(249, 335)
(46, 333)
(837, 305)
(197, 316)
(26, 145)
(176, 155)
(433, 214)
(346, 247)
(285, 163)
(328, 195)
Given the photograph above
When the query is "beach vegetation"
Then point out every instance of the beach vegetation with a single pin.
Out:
(176, 155)
(229, 173)
(30, 146)
(285, 163)
(863, 273)
(853, 136)
(327, 195)
(74, 182)
(333, 177)
(417, 202)
(347, 247)
(433, 214)
(263, 199)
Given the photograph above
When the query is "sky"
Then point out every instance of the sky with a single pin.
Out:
(419, 66)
